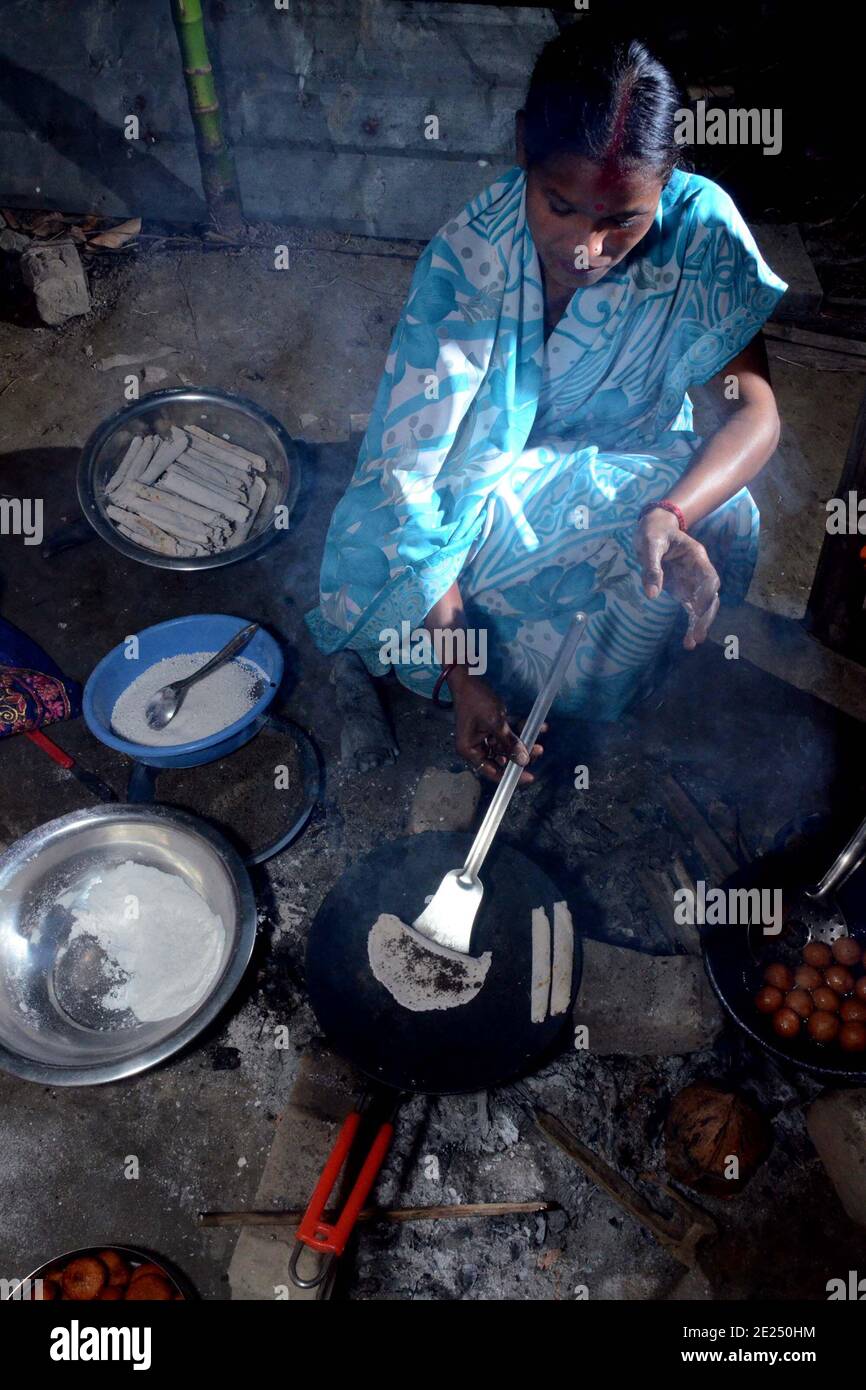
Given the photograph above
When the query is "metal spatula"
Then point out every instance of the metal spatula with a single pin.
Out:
(450, 914)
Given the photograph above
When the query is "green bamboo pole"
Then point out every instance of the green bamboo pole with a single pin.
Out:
(218, 176)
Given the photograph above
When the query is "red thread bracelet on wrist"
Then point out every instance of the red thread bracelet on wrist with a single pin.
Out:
(440, 680)
(666, 506)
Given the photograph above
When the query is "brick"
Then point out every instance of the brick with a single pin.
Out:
(641, 1005)
(444, 801)
(323, 1094)
(55, 274)
(837, 1127)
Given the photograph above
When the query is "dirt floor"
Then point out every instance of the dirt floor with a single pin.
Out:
(308, 344)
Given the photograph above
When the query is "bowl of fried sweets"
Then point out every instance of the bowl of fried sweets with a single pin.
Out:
(103, 1274)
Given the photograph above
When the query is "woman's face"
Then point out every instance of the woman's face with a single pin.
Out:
(585, 213)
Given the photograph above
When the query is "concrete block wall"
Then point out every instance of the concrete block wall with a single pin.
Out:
(325, 104)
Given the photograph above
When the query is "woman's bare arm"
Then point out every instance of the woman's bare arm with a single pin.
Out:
(482, 734)
(739, 449)
(675, 561)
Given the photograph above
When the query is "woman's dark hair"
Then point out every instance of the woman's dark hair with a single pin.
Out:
(604, 98)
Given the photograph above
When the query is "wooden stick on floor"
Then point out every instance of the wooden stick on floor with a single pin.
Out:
(453, 1213)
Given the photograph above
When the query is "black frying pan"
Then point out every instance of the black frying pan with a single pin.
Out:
(735, 956)
(482, 1043)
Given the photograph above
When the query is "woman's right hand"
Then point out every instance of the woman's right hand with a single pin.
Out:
(482, 734)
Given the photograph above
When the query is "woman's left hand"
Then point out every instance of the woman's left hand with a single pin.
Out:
(671, 559)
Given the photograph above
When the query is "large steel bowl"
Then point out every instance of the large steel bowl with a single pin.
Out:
(51, 1029)
(221, 413)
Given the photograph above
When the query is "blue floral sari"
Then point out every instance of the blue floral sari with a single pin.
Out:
(519, 466)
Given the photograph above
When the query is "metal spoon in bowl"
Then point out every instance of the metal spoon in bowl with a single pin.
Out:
(165, 704)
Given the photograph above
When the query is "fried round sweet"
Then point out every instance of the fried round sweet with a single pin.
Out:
(823, 1026)
(84, 1278)
(786, 1023)
(852, 1037)
(152, 1287)
(800, 1000)
(840, 979)
(769, 999)
(817, 954)
(807, 977)
(826, 999)
(111, 1293)
(853, 1011)
(147, 1268)
(118, 1269)
(860, 988)
(779, 976)
(847, 951)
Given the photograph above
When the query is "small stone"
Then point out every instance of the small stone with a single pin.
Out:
(837, 1127)
(641, 1005)
(56, 276)
(631, 1288)
(557, 1222)
(444, 801)
(692, 1288)
(13, 241)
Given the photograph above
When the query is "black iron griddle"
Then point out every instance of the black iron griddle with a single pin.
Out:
(483, 1043)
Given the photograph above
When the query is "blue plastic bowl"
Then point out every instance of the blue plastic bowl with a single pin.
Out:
(202, 632)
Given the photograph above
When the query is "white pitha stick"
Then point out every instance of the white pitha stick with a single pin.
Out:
(123, 467)
(231, 482)
(183, 528)
(226, 446)
(151, 536)
(234, 469)
(166, 453)
(539, 986)
(136, 464)
(142, 538)
(243, 474)
(563, 959)
(176, 504)
(212, 483)
(176, 481)
(257, 496)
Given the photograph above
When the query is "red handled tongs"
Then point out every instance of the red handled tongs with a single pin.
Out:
(330, 1237)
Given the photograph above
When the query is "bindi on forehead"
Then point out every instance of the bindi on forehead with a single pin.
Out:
(599, 207)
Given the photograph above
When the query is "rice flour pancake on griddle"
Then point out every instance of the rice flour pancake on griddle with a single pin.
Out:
(422, 976)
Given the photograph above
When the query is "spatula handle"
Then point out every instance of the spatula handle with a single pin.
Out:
(848, 859)
(537, 715)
